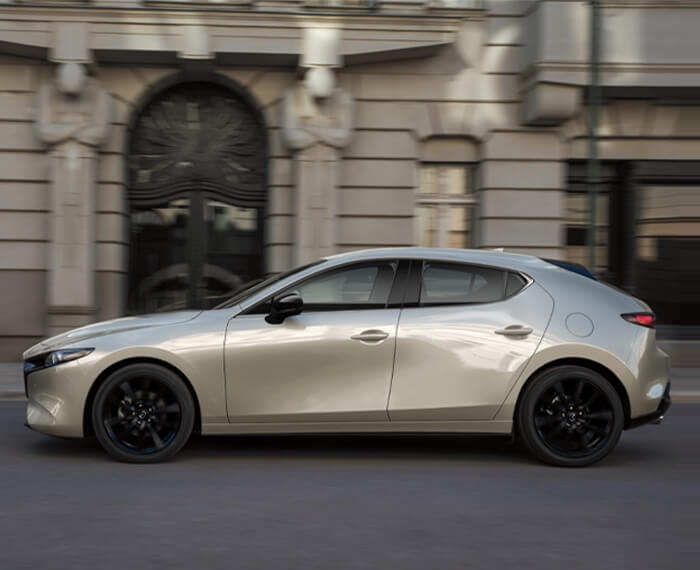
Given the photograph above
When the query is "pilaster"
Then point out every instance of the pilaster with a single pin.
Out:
(522, 180)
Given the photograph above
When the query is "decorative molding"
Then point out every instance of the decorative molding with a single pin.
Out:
(550, 104)
(71, 310)
(455, 5)
(341, 4)
(198, 3)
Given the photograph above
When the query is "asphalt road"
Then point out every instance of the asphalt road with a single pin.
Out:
(350, 502)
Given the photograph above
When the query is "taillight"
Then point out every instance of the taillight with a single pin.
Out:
(644, 319)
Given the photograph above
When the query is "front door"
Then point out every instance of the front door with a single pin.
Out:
(462, 346)
(331, 363)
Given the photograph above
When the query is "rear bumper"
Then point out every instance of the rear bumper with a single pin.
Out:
(656, 416)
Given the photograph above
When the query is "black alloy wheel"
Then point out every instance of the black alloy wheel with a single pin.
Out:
(143, 413)
(570, 416)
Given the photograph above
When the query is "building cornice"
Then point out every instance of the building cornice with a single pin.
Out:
(269, 37)
(383, 11)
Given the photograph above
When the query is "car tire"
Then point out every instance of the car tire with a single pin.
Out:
(570, 416)
(143, 413)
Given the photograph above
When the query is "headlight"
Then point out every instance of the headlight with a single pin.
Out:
(60, 356)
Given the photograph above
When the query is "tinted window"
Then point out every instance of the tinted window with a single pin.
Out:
(446, 283)
(357, 286)
(515, 283)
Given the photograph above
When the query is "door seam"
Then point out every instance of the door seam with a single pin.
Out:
(393, 363)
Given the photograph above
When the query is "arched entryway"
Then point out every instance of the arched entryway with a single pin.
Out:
(197, 191)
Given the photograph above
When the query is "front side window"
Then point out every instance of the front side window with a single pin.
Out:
(353, 286)
(444, 203)
(358, 286)
(453, 284)
(365, 285)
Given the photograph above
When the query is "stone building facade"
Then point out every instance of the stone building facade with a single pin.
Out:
(203, 144)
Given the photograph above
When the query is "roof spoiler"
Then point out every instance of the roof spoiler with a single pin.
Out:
(571, 266)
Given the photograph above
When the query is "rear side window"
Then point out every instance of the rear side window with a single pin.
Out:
(449, 283)
(514, 284)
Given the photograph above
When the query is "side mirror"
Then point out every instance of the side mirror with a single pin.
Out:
(285, 306)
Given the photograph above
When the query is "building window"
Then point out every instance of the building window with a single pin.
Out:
(647, 235)
(575, 237)
(444, 204)
(667, 244)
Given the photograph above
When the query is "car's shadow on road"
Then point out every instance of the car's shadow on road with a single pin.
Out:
(376, 447)
(455, 448)
(333, 448)
(314, 447)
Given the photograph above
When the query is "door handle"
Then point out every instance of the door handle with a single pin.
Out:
(372, 335)
(514, 330)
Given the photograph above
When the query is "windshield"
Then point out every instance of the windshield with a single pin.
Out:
(257, 285)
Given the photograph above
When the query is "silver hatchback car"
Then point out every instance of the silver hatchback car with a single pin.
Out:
(386, 340)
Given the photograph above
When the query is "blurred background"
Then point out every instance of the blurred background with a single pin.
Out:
(158, 154)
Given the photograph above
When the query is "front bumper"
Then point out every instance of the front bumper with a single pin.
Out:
(56, 399)
(658, 415)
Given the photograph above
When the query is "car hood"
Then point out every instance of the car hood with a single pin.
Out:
(108, 327)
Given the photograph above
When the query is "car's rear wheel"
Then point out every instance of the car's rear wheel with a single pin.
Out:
(143, 413)
(570, 416)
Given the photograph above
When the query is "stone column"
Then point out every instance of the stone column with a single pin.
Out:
(317, 124)
(315, 178)
(73, 120)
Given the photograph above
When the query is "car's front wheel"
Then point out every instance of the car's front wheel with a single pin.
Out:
(143, 413)
(570, 416)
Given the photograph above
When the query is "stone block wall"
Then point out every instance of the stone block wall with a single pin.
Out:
(522, 179)
(488, 97)
(23, 210)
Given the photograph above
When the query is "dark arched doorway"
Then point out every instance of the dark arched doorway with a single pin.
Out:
(197, 193)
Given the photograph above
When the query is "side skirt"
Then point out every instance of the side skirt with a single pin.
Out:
(501, 427)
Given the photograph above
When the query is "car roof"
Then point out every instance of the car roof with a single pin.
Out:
(514, 261)
(562, 280)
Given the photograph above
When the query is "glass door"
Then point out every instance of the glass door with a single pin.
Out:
(160, 273)
(197, 195)
(192, 252)
(668, 252)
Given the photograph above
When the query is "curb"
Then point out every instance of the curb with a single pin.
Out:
(11, 395)
(685, 397)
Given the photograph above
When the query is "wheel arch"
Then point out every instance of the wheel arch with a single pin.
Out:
(601, 369)
(88, 428)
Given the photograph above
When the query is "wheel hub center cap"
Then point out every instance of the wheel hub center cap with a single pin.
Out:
(572, 416)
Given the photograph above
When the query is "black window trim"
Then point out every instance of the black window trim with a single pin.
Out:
(399, 287)
(332, 307)
(414, 287)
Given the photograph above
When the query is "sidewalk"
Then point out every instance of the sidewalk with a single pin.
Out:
(685, 383)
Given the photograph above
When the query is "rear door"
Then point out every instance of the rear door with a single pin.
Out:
(465, 334)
